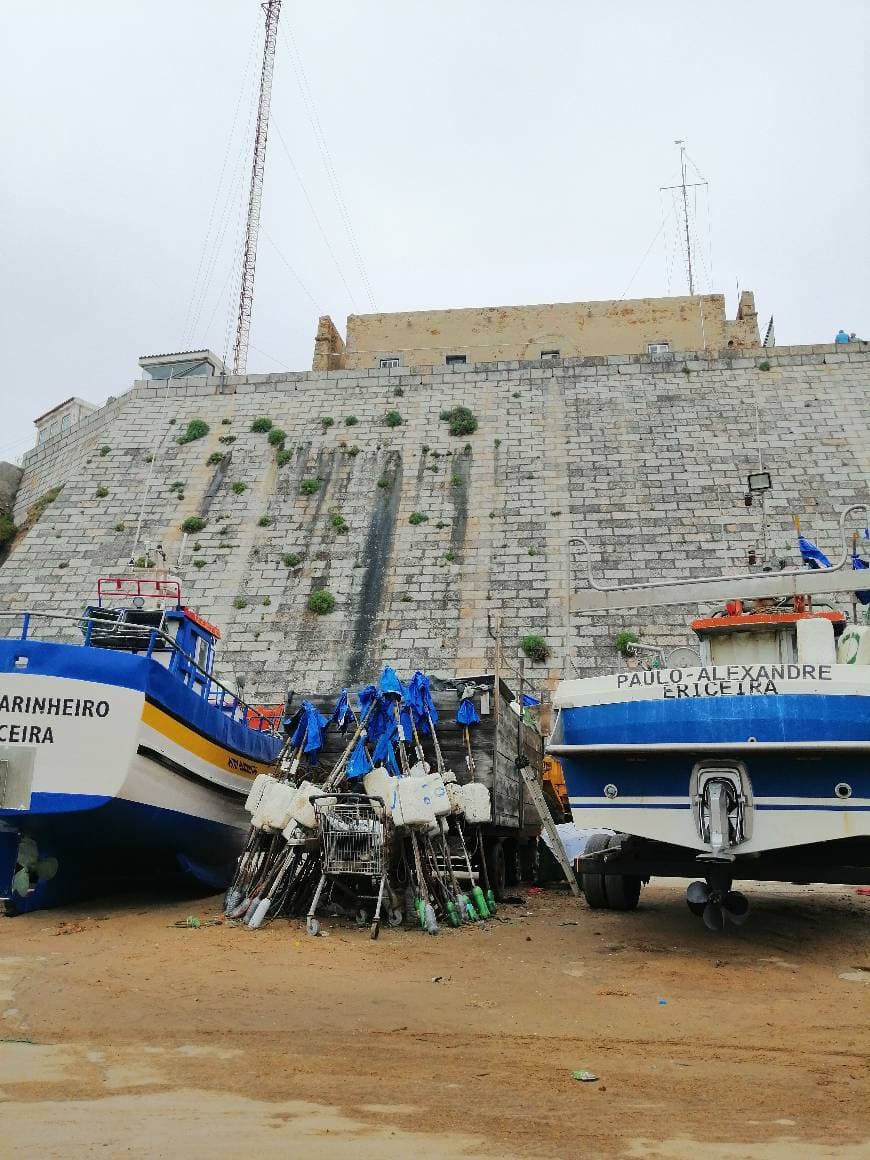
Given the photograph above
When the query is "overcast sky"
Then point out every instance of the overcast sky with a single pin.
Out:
(485, 152)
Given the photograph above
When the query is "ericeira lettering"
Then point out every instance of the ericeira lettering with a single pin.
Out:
(26, 735)
(722, 680)
(20, 732)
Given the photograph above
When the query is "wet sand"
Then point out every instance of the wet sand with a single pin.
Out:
(123, 1035)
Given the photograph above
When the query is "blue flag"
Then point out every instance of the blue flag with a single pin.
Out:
(811, 555)
(859, 565)
(308, 725)
(359, 763)
(384, 754)
(466, 714)
(341, 714)
(420, 700)
(390, 685)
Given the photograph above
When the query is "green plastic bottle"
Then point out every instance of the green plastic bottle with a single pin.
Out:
(490, 901)
(480, 902)
(420, 907)
(452, 913)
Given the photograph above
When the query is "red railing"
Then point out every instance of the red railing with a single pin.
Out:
(148, 589)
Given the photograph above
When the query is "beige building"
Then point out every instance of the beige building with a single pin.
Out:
(557, 330)
(59, 419)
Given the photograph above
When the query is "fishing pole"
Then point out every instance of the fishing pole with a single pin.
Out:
(425, 909)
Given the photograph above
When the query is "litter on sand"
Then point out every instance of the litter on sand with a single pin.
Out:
(584, 1076)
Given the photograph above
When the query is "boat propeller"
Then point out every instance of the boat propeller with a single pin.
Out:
(714, 905)
(30, 868)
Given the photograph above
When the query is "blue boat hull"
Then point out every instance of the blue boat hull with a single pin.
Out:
(117, 769)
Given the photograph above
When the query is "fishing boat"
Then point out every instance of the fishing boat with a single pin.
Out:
(743, 756)
(120, 750)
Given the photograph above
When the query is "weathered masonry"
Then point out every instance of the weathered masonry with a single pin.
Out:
(556, 330)
(645, 457)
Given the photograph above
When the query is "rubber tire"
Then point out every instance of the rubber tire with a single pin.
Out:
(593, 884)
(513, 862)
(530, 860)
(623, 890)
(496, 864)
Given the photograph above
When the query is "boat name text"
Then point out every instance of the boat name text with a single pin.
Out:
(722, 680)
(28, 734)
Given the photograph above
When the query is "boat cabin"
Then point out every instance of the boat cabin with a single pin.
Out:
(147, 616)
(769, 635)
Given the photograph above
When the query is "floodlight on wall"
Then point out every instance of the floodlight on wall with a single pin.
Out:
(758, 481)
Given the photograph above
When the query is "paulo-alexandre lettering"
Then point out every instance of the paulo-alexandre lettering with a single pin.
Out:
(722, 680)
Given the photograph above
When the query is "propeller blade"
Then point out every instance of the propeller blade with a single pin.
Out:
(714, 919)
(21, 883)
(27, 852)
(697, 908)
(46, 868)
(736, 906)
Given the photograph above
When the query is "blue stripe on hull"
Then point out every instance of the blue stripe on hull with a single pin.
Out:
(792, 717)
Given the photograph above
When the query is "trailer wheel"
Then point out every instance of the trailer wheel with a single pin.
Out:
(593, 883)
(496, 865)
(513, 862)
(530, 860)
(623, 891)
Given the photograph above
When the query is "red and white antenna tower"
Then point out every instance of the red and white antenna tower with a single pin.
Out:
(272, 9)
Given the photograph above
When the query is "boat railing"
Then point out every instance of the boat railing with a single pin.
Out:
(838, 565)
(214, 691)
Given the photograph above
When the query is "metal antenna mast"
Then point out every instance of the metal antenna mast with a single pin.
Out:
(272, 9)
(684, 185)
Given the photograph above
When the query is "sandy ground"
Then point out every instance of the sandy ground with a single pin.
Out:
(121, 1035)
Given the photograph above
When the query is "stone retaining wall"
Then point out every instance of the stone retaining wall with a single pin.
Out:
(645, 458)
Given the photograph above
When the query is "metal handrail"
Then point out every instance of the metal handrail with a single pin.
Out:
(154, 634)
(835, 567)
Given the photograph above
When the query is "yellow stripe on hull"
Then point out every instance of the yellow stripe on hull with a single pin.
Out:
(195, 743)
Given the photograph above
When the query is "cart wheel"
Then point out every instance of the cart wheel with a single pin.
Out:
(313, 926)
(376, 928)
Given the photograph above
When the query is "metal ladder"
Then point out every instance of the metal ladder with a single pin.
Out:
(540, 804)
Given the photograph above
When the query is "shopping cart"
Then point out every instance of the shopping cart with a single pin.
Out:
(352, 852)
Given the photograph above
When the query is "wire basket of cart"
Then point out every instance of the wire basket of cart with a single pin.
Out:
(353, 860)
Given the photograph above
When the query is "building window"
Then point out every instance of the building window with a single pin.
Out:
(456, 360)
(545, 354)
(658, 348)
(391, 361)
